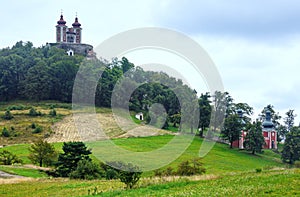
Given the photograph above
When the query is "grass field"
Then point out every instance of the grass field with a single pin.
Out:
(271, 183)
(229, 172)
(221, 159)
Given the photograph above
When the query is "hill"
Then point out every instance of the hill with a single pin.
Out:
(229, 172)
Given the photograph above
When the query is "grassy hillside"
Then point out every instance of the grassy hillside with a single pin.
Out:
(61, 127)
(221, 159)
(274, 183)
(20, 127)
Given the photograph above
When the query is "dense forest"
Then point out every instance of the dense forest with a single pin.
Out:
(48, 73)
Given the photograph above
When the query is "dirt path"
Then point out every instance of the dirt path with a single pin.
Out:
(7, 175)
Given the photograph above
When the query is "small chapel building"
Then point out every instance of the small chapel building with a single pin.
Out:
(268, 131)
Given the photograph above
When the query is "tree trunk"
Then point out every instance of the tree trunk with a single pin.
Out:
(41, 163)
(253, 152)
(231, 144)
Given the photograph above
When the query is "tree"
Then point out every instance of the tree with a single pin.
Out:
(274, 115)
(86, 169)
(126, 172)
(205, 112)
(222, 103)
(8, 158)
(246, 110)
(129, 175)
(254, 139)
(289, 120)
(232, 128)
(42, 153)
(291, 147)
(68, 160)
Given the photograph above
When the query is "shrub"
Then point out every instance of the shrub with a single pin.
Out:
(86, 169)
(8, 158)
(16, 107)
(33, 126)
(258, 170)
(8, 115)
(52, 112)
(188, 168)
(38, 129)
(126, 172)
(5, 132)
(33, 112)
(130, 175)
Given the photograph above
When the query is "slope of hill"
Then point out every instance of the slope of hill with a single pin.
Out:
(61, 128)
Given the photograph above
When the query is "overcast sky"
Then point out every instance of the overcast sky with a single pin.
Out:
(254, 44)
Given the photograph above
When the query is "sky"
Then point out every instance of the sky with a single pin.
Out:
(255, 45)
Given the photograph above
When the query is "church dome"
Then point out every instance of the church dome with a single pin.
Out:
(76, 23)
(268, 123)
(61, 20)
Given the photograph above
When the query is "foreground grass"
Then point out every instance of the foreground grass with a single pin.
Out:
(280, 183)
(274, 183)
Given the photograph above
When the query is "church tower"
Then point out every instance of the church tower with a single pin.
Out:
(61, 30)
(77, 30)
(269, 132)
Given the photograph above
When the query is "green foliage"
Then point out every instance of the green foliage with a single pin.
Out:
(52, 112)
(188, 168)
(33, 126)
(8, 158)
(205, 112)
(73, 152)
(86, 169)
(126, 172)
(16, 107)
(258, 170)
(129, 175)
(5, 132)
(232, 128)
(33, 112)
(254, 139)
(8, 115)
(291, 147)
(42, 153)
(37, 129)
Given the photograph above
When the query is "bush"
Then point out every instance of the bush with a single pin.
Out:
(258, 170)
(52, 112)
(86, 169)
(38, 129)
(33, 126)
(5, 132)
(33, 112)
(8, 115)
(127, 173)
(16, 107)
(8, 158)
(130, 175)
(189, 168)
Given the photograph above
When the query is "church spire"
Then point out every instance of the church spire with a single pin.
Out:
(61, 20)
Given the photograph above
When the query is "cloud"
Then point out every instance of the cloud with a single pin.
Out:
(251, 19)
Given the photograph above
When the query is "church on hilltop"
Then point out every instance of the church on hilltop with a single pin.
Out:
(69, 38)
